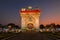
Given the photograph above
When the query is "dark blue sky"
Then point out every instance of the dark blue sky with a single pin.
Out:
(9, 10)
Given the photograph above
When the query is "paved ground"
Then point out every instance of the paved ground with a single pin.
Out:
(30, 36)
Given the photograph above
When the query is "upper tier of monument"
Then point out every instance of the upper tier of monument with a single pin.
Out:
(30, 9)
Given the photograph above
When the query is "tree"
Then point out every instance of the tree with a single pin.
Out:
(0, 25)
(57, 26)
(17, 27)
(53, 27)
(48, 26)
(42, 26)
(11, 25)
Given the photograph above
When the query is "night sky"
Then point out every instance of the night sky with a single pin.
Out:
(9, 10)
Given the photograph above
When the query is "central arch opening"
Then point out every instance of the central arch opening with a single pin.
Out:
(30, 26)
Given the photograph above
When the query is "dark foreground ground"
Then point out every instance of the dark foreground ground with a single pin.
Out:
(31, 36)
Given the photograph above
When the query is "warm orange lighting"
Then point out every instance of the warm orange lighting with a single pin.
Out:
(28, 11)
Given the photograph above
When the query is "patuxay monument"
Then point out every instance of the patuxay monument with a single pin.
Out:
(30, 18)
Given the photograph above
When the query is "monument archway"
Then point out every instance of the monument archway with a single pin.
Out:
(30, 19)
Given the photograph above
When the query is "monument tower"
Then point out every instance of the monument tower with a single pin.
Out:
(30, 18)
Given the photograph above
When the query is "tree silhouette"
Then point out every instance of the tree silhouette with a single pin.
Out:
(17, 27)
(48, 26)
(53, 26)
(57, 26)
(11, 25)
(0, 25)
(42, 26)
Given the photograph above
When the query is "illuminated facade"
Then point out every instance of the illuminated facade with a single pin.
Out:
(29, 18)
